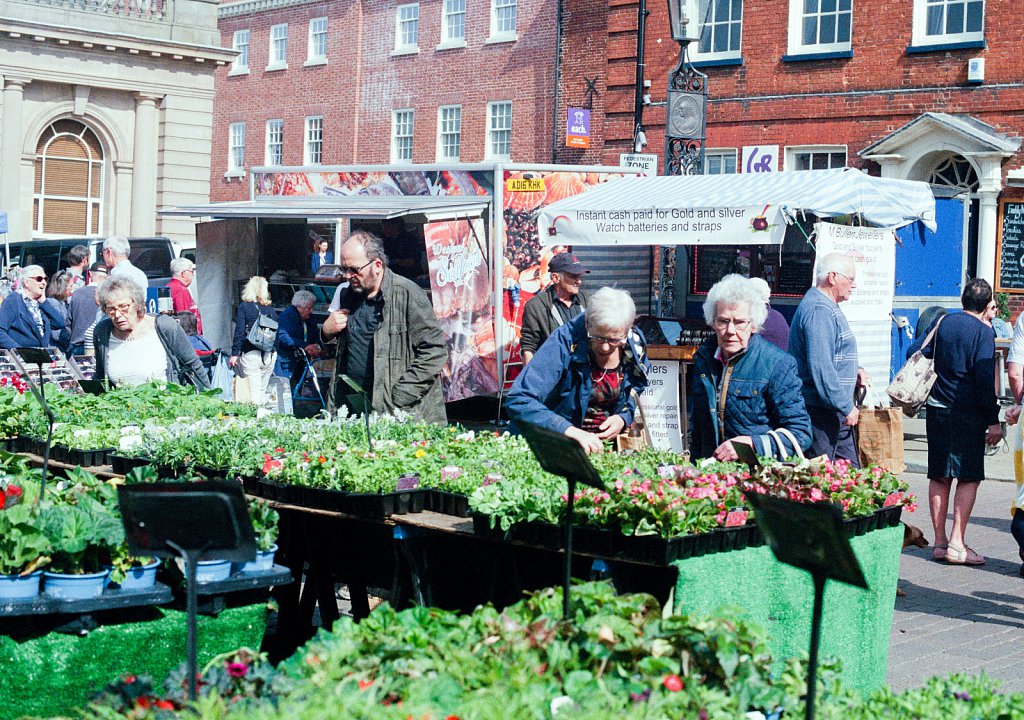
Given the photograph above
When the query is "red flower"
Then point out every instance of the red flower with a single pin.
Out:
(673, 683)
(363, 684)
(13, 491)
(164, 705)
(142, 702)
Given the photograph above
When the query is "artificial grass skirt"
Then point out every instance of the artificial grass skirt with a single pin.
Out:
(54, 673)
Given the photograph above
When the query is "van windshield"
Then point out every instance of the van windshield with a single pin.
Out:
(152, 257)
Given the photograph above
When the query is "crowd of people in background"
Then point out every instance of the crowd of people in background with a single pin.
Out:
(778, 388)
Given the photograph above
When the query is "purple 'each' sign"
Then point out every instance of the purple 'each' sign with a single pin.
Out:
(408, 482)
(578, 122)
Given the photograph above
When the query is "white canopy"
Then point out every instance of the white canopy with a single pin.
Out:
(728, 209)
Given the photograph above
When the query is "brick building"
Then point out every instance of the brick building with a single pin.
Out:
(877, 85)
(377, 82)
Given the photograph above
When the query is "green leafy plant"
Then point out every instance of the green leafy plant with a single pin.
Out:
(264, 523)
(24, 546)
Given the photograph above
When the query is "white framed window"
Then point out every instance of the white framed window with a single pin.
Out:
(278, 57)
(940, 22)
(449, 132)
(240, 44)
(453, 23)
(407, 28)
(69, 181)
(401, 135)
(313, 150)
(820, 26)
(236, 148)
(499, 130)
(719, 25)
(316, 52)
(503, 21)
(274, 150)
(720, 161)
(816, 157)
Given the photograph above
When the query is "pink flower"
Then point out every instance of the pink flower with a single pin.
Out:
(237, 669)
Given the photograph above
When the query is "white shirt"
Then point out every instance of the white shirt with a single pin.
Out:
(1017, 344)
(125, 269)
(133, 362)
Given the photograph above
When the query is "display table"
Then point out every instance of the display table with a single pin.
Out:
(856, 623)
(55, 674)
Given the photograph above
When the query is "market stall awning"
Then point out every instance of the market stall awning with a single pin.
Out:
(728, 209)
(320, 207)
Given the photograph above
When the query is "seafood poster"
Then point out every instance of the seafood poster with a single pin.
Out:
(460, 287)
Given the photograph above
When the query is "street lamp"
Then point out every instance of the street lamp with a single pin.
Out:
(685, 116)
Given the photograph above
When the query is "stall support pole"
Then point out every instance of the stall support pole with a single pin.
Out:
(567, 578)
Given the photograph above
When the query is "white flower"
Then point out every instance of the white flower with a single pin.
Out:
(81, 433)
(560, 702)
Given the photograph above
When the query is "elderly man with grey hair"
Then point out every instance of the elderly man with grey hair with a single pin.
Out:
(27, 316)
(582, 379)
(115, 254)
(745, 389)
(183, 272)
(825, 350)
(297, 333)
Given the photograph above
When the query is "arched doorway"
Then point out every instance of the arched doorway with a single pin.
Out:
(955, 176)
(69, 180)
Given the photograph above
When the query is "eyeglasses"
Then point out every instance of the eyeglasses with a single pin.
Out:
(851, 279)
(723, 323)
(37, 278)
(614, 342)
(119, 309)
(354, 271)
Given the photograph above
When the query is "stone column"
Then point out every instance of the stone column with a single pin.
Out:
(987, 202)
(144, 160)
(10, 156)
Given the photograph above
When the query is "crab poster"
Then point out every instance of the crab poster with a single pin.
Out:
(460, 287)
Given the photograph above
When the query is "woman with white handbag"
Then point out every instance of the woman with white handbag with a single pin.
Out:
(962, 417)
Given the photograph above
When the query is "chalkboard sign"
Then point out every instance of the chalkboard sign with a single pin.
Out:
(1011, 246)
(711, 264)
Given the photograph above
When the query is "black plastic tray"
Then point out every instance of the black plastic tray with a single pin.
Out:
(111, 599)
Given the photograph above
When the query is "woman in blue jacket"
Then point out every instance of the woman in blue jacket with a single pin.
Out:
(581, 380)
(744, 386)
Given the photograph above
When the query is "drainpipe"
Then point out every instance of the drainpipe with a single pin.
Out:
(558, 78)
(638, 101)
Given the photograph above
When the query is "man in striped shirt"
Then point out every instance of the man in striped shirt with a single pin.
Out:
(825, 350)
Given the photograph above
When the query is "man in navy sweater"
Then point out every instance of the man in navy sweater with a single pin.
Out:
(825, 350)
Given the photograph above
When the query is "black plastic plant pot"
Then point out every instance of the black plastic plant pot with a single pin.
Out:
(407, 501)
(250, 485)
(594, 540)
(369, 505)
(456, 504)
(734, 538)
(889, 516)
(482, 527)
(268, 489)
(86, 458)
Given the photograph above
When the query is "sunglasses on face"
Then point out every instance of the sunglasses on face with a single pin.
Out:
(38, 278)
(345, 270)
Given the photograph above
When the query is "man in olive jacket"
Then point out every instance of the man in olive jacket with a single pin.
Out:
(389, 342)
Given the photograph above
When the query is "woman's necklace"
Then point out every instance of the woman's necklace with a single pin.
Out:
(605, 372)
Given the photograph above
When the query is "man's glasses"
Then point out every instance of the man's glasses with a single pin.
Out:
(354, 271)
(613, 342)
(723, 323)
(122, 309)
(38, 278)
(851, 279)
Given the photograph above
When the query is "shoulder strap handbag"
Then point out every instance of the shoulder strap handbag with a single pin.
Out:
(786, 433)
(910, 389)
(263, 333)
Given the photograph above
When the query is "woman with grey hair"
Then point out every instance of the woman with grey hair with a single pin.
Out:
(582, 379)
(133, 348)
(743, 386)
(297, 334)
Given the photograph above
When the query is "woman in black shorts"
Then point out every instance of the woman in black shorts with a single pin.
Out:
(962, 417)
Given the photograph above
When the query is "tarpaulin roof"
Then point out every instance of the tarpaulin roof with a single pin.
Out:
(433, 207)
(728, 209)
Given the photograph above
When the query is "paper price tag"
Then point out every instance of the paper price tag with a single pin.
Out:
(407, 482)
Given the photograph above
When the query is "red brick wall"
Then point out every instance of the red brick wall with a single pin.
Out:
(861, 99)
(362, 83)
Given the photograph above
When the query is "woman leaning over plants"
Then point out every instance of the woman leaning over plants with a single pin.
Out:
(743, 386)
(582, 380)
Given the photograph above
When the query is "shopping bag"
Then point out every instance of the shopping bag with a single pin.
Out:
(637, 436)
(241, 389)
(879, 435)
(222, 377)
(1016, 441)
(912, 385)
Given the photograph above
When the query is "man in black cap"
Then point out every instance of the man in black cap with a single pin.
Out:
(551, 308)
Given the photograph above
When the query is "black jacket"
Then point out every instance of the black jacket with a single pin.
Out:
(541, 318)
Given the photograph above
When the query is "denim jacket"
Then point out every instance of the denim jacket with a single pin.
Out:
(762, 393)
(553, 391)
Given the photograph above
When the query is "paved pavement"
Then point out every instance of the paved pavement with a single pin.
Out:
(956, 618)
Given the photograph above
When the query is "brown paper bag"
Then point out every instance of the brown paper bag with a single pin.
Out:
(880, 438)
(241, 388)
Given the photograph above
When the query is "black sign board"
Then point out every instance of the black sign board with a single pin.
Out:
(208, 517)
(1011, 246)
(808, 536)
